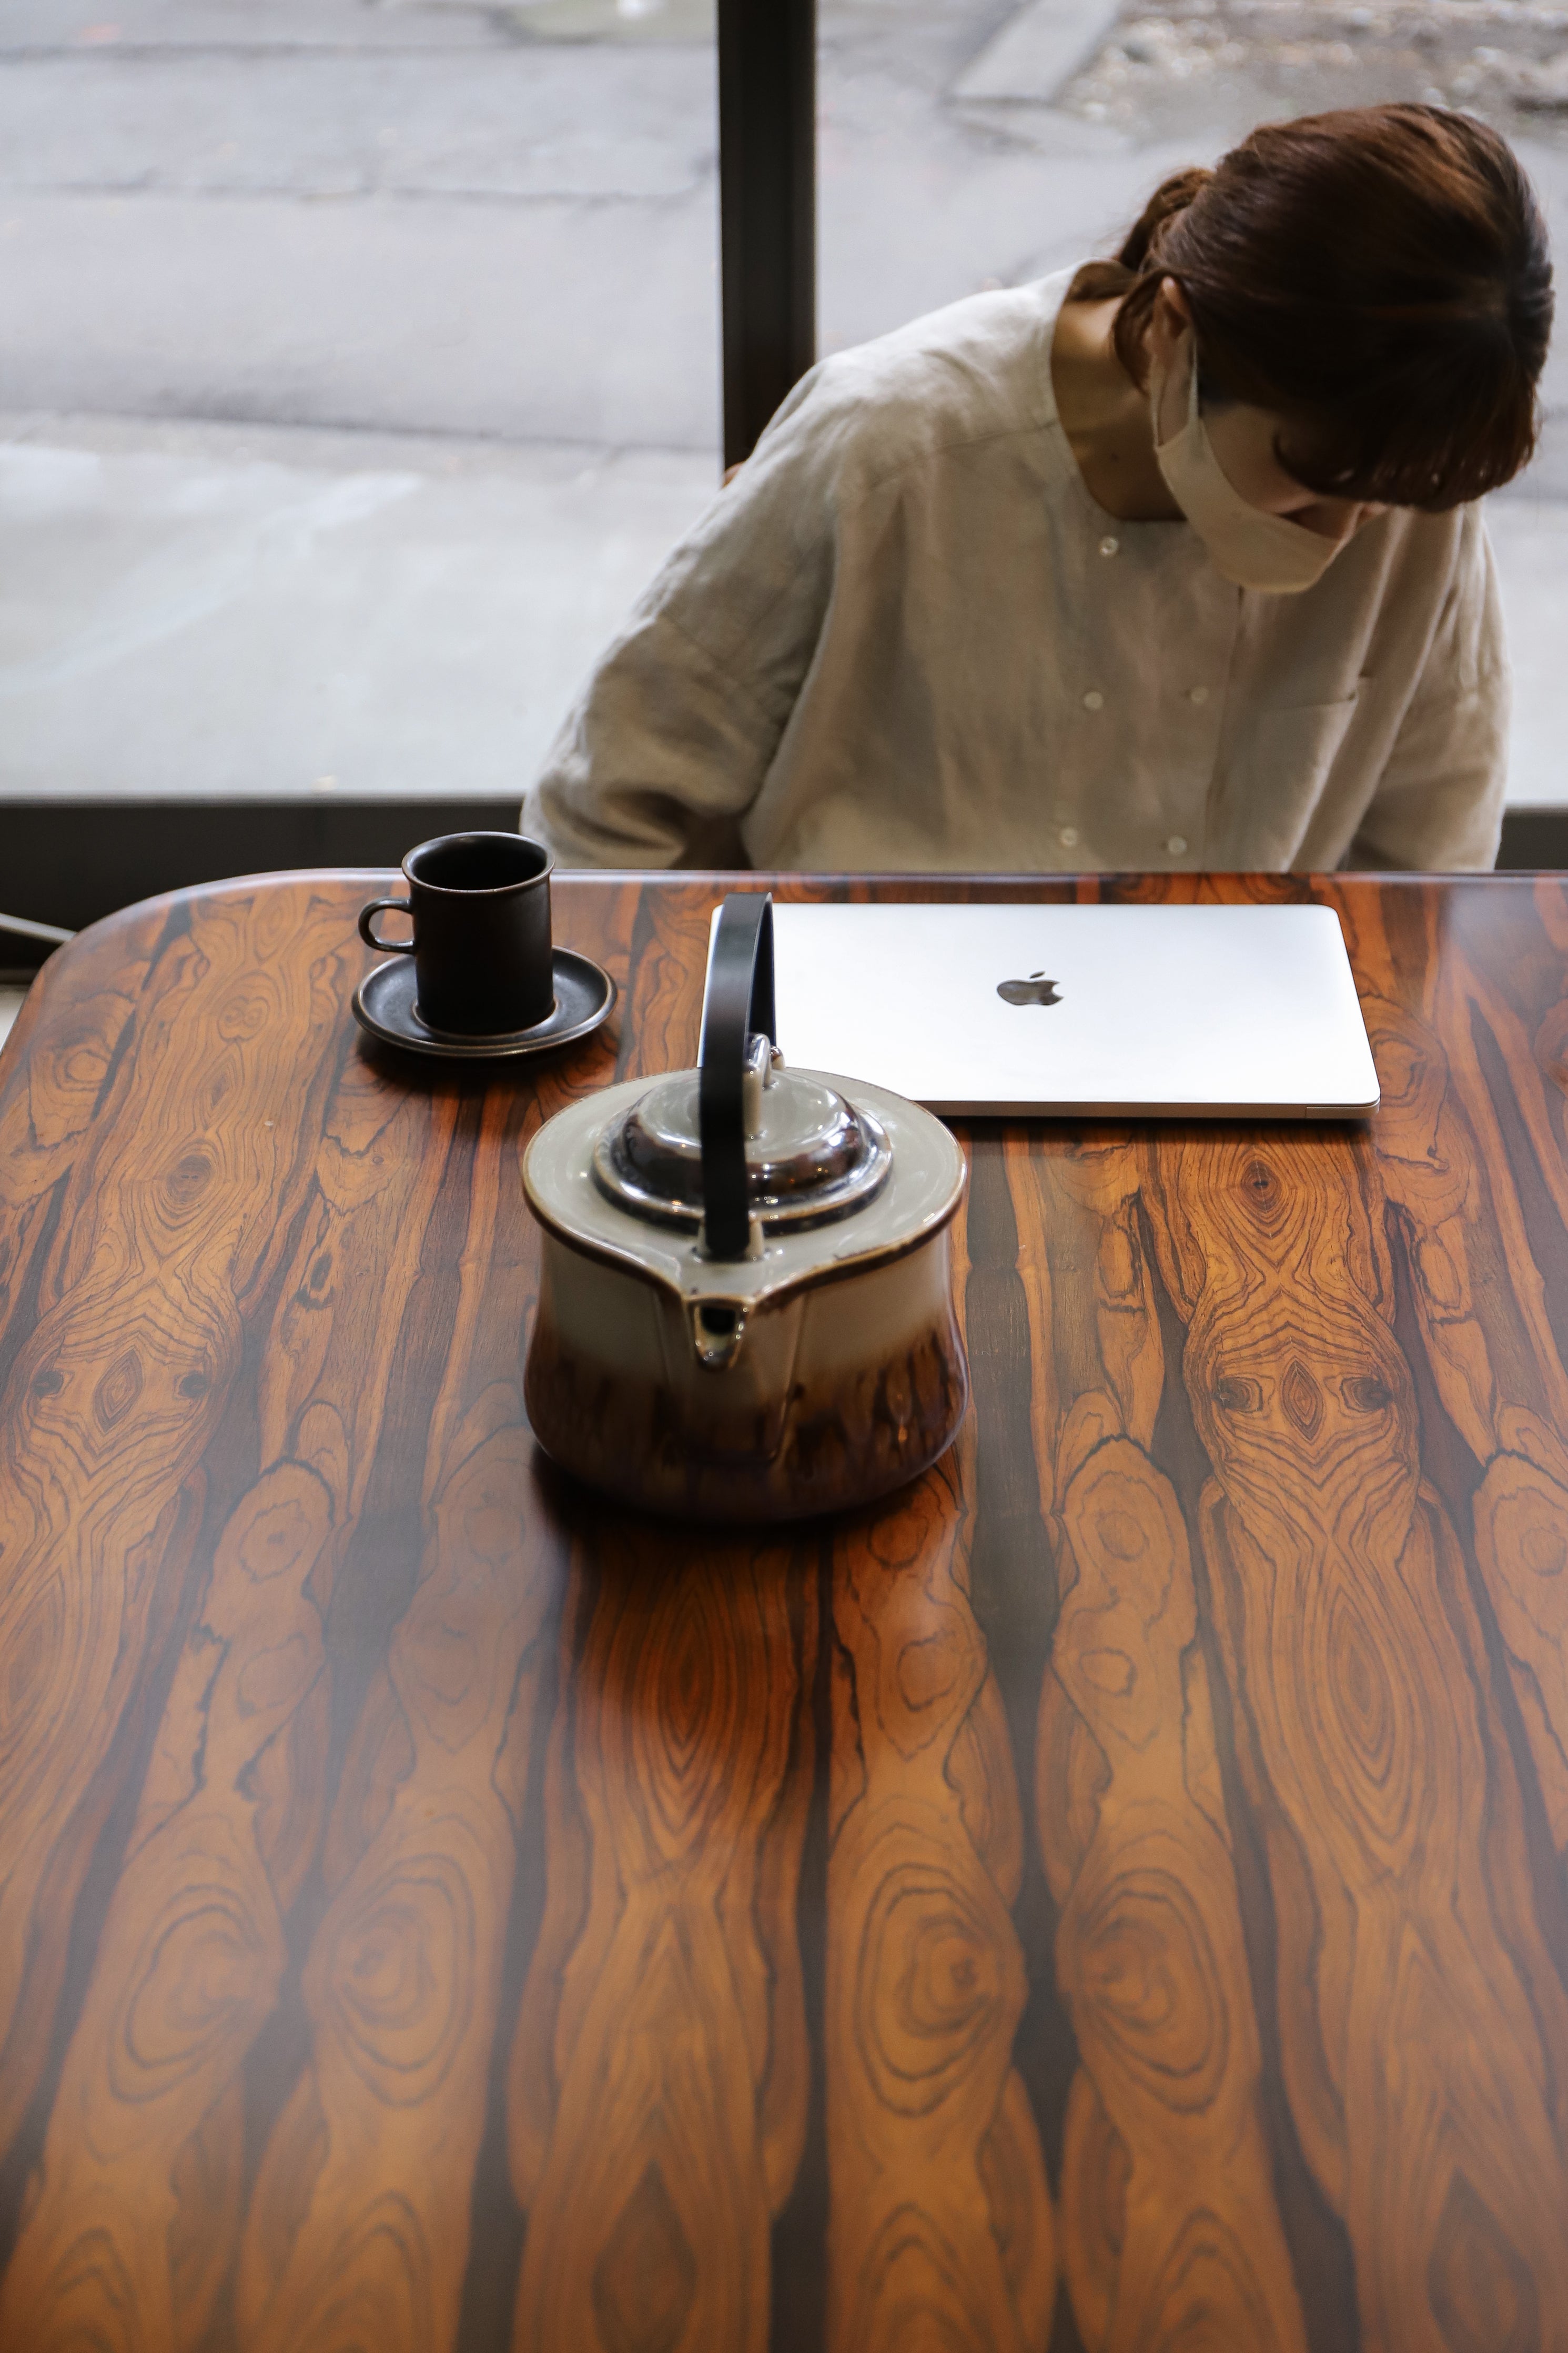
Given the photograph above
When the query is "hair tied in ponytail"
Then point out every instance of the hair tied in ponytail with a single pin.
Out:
(1103, 281)
(1141, 247)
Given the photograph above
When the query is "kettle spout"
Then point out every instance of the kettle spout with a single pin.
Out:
(717, 1328)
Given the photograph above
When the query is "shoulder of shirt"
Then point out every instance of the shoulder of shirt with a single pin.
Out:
(1437, 547)
(1448, 527)
(1416, 558)
(976, 371)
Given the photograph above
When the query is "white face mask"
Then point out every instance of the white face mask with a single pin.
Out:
(1254, 549)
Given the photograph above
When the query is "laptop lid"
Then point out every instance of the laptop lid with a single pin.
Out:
(1016, 1009)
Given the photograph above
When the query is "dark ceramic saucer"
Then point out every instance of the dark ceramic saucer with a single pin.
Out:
(384, 1004)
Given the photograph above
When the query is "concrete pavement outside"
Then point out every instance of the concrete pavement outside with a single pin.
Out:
(362, 360)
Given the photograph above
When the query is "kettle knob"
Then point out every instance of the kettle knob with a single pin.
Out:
(737, 1008)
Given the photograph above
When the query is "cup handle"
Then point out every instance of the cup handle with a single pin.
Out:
(367, 927)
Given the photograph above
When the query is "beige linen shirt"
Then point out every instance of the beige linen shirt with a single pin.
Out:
(906, 639)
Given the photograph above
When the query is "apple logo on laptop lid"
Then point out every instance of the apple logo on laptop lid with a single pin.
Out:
(1036, 990)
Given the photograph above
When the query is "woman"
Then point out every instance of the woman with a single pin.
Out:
(1173, 563)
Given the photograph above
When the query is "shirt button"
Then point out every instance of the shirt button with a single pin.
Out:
(1094, 700)
(1199, 694)
(1068, 837)
(1107, 545)
(1176, 844)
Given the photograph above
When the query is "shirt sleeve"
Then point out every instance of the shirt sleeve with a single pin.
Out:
(1439, 804)
(672, 739)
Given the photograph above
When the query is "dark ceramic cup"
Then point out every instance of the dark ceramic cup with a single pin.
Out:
(481, 944)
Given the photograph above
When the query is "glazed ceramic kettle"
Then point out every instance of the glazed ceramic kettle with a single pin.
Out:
(745, 1306)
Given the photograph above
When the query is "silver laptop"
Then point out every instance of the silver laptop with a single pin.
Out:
(1085, 1011)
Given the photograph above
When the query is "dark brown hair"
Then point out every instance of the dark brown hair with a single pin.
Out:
(1380, 276)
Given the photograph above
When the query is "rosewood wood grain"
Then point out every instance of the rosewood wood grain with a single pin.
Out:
(1111, 1896)
(1418, 2010)
(939, 2203)
(231, 1809)
(178, 1203)
(657, 2076)
(657, 2083)
(1171, 2220)
(360, 2179)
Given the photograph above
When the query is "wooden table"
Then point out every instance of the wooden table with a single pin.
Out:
(1111, 1896)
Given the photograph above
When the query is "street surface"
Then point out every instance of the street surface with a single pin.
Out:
(361, 361)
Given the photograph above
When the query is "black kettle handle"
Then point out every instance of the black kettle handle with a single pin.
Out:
(738, 1001)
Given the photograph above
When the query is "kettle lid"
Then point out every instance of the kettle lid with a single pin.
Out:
(810, 1155)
